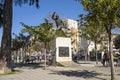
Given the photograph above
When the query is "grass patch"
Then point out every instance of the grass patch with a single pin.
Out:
(13, 72)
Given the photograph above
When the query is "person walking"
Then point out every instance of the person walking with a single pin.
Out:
(106, 58)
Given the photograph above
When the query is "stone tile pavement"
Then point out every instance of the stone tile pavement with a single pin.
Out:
(63, 73)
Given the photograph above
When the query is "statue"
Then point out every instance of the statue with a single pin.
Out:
(59, 23)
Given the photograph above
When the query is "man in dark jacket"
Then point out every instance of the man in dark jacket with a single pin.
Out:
(106, 58)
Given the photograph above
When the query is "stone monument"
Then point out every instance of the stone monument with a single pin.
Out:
(63, 49)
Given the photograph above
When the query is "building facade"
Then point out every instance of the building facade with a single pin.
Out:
(72, 29)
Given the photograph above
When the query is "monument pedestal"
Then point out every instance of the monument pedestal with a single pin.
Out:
(63, 49)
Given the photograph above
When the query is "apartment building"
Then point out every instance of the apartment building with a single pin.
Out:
(72, 27)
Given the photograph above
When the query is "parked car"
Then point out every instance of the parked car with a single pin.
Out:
(116, 57)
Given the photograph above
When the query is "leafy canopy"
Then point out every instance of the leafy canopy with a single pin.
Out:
(107, 12)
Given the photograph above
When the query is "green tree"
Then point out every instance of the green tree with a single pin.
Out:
(6, 7)
(21, 42)
(43, 33)
(16, 44)
(90, 30)
(108, 14)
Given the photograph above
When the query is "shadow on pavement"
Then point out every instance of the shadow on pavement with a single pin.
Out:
(118, 74)
(27, 65)
(81, 73)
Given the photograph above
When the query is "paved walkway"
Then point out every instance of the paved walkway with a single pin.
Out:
(62, 73)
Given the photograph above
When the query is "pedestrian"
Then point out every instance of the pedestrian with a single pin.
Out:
(40, 57)
(106, 58)
(74, 56)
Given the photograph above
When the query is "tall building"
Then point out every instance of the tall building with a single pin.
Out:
(72, 27)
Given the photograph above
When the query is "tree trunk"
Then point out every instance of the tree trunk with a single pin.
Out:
(86, 54)
(5, 56)
(54, 59)
(111, 57)
(45, 56)
(96, 53)
(88, 51)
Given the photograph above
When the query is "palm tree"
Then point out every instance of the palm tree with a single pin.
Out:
(6, 7)
(6, 38)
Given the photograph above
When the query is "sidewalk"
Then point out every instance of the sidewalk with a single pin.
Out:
(89, 63)
(63, 73)
(96, 72)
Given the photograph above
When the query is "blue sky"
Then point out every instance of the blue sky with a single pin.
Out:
(30, 15)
